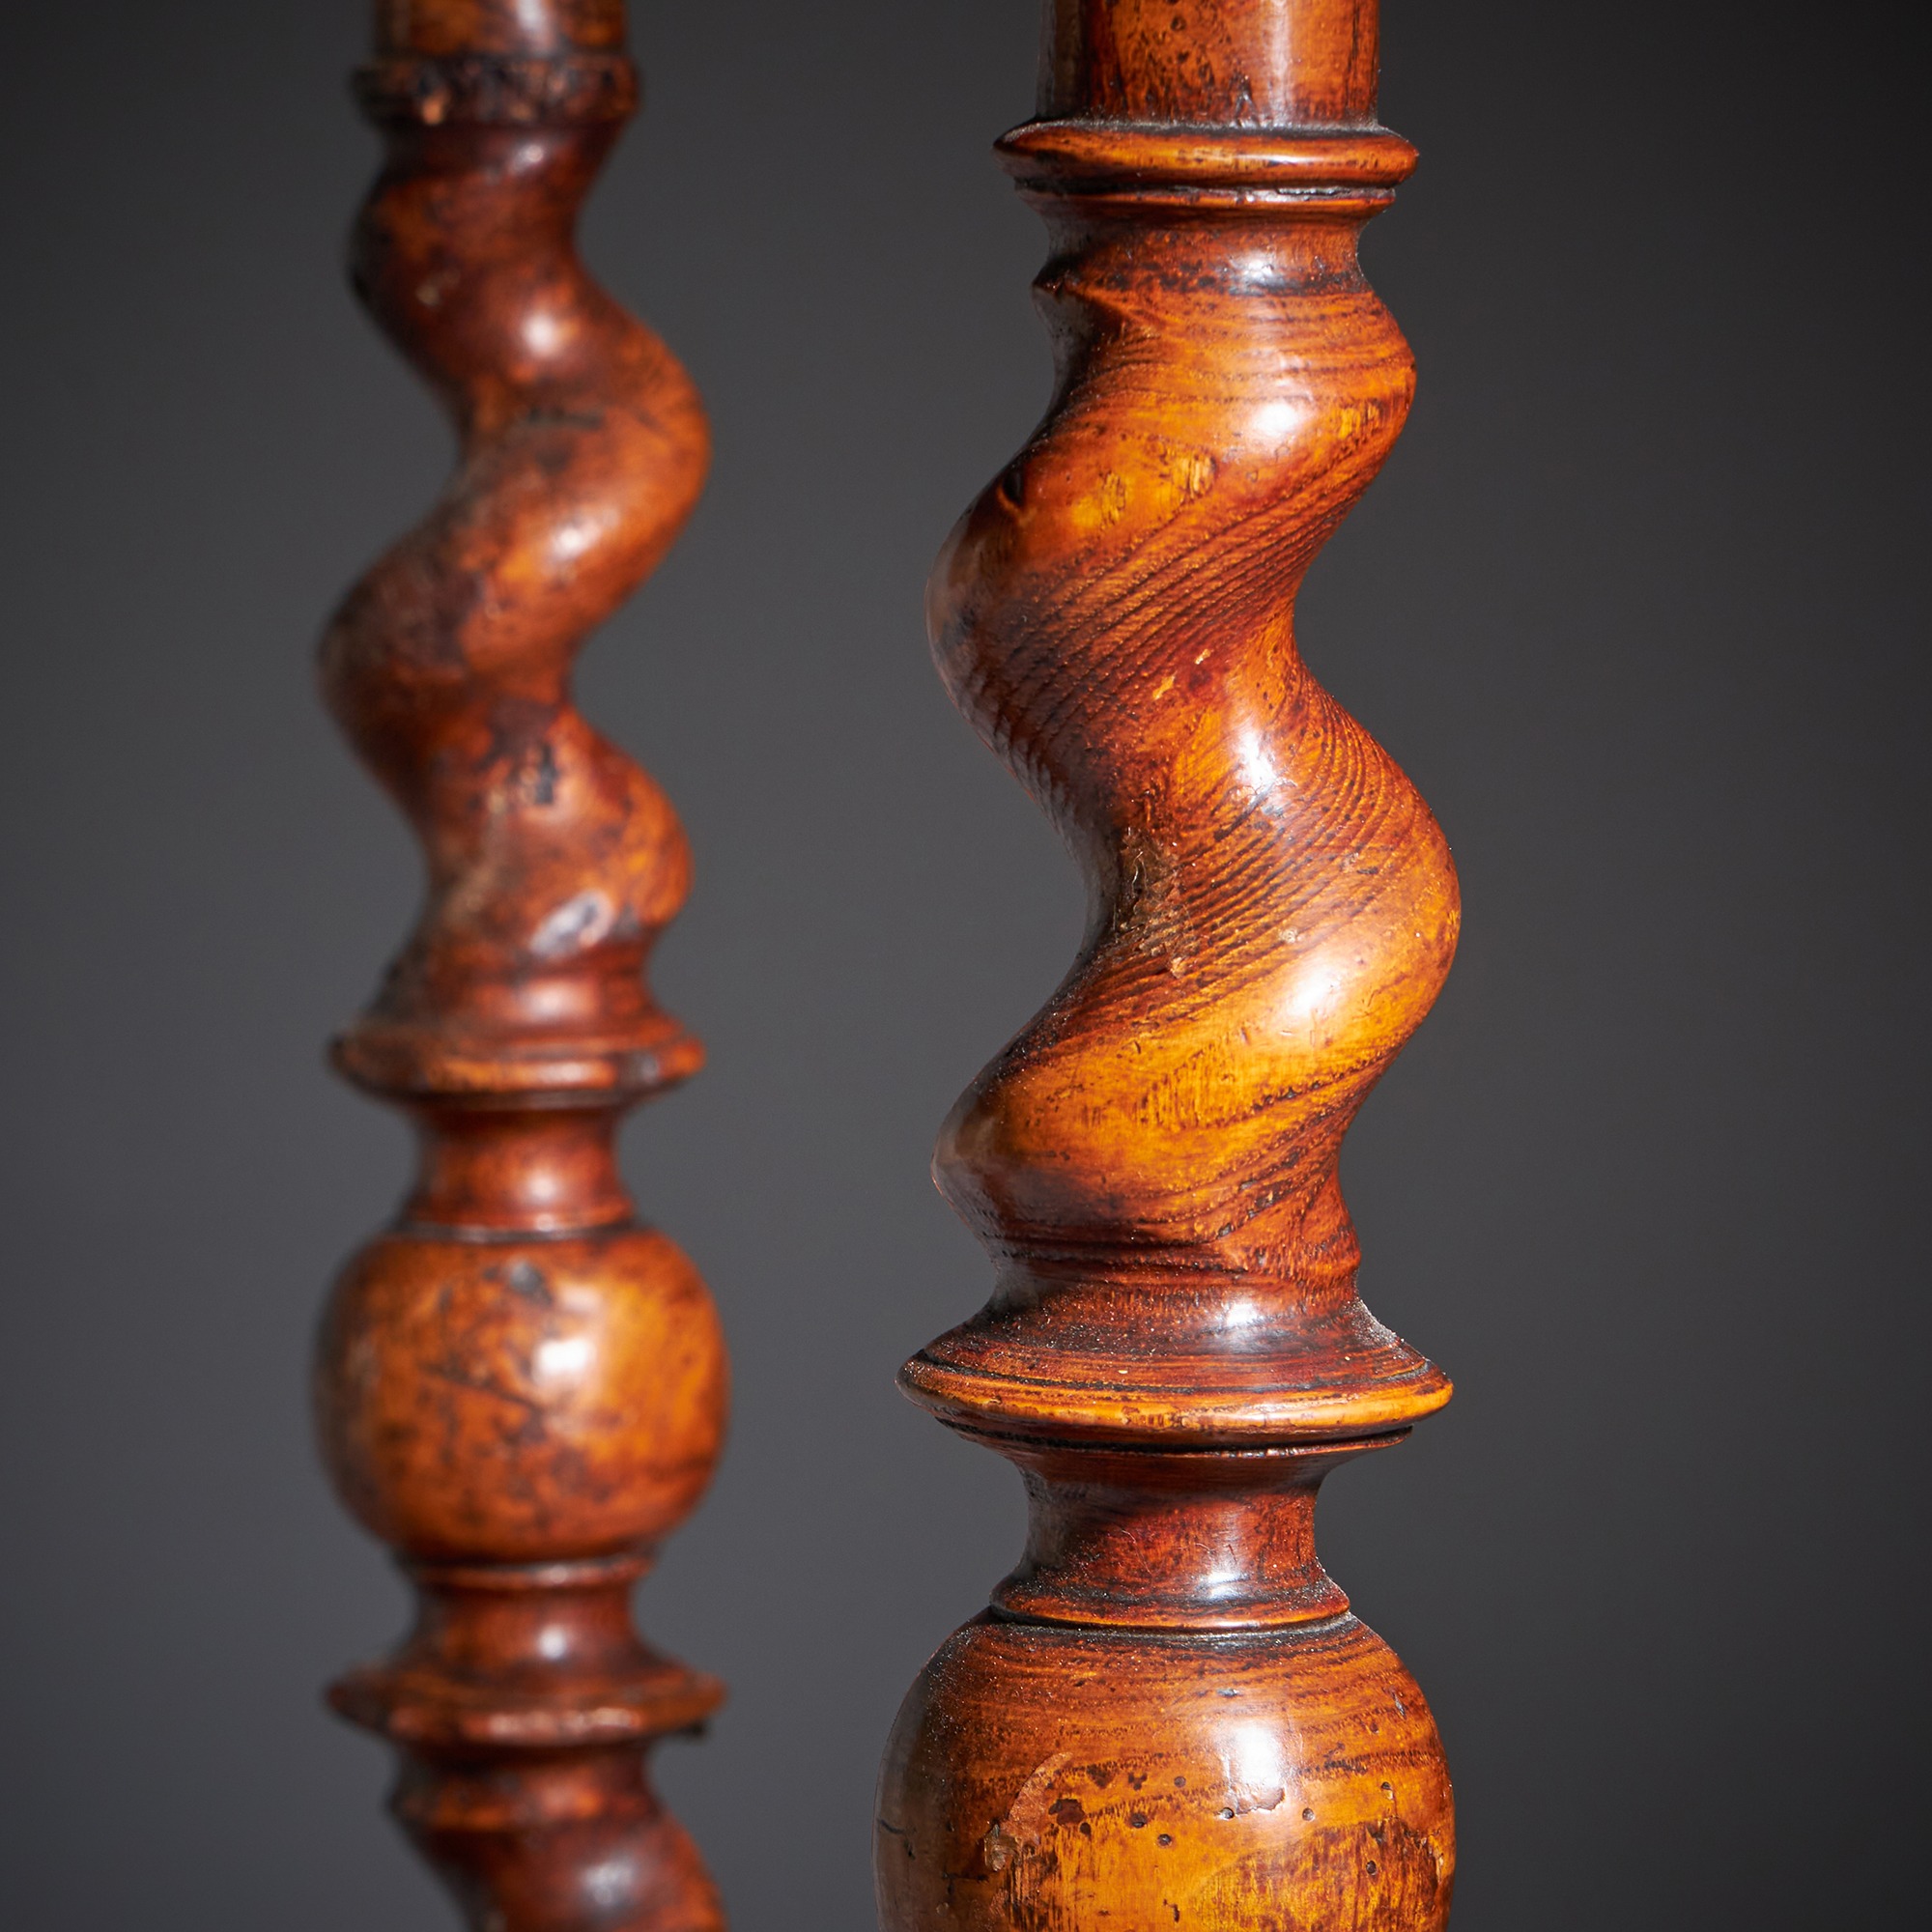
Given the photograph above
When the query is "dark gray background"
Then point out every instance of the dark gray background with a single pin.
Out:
(1639, 604)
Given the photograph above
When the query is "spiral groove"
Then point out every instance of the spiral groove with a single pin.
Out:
(1274, 909)
(554, 861)
(520, 1387)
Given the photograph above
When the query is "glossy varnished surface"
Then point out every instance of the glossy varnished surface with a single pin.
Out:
(519, 1388)
(1250, 1782)
(523, 1401)
(1169, 1716)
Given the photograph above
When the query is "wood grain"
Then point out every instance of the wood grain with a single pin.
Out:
(1169, 1714)
(518, 1387)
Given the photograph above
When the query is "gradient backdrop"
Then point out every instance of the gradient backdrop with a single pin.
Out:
(1639, 603)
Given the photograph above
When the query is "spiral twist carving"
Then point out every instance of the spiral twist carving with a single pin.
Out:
(520, 1387)
(1170, 1715)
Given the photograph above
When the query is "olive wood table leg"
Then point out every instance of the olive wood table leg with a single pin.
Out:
(520, 1386)
(1168, 1715)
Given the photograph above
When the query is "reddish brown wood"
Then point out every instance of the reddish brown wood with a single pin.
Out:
(520, 1387)
(1169, 1716)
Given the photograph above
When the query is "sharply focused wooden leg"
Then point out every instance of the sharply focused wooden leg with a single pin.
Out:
(518, 1386)
(1169, 1717)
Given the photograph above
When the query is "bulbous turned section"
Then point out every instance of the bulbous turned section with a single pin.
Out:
(521, 1402)
(1247, 1781)
(519, 1388)
(1169, 1716)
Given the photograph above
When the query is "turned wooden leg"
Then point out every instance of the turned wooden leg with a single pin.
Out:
(1168, 1716)
(520, 1387)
